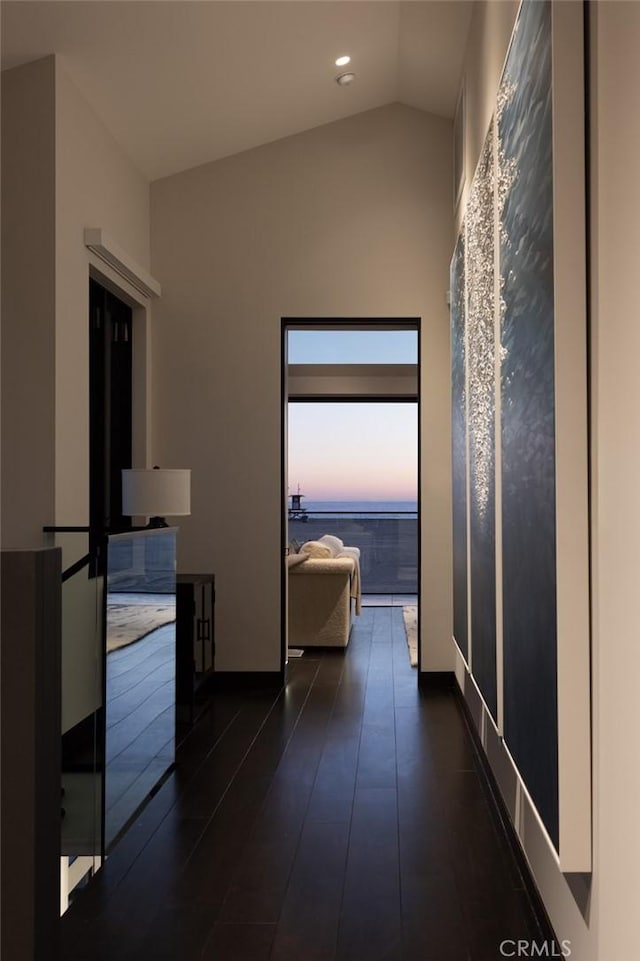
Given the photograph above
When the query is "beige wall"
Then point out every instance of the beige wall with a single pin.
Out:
(489, 34)
(351, 219)
(28, 302)
(61, 172)
(616, 473)
(96, 186)
(344, 380)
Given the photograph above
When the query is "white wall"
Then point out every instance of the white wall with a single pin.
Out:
(351, 219)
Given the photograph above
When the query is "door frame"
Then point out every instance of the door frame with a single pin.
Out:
(337, 324)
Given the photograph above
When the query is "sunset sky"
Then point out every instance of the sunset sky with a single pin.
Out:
(353, 451)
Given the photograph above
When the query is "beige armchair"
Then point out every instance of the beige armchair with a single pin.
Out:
(324, 593)
(321, 605)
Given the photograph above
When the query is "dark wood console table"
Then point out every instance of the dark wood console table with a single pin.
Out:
(195, 646)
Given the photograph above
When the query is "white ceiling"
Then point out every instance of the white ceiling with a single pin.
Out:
(183, 82)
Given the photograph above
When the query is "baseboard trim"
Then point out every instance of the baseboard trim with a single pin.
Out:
(436, 680)
(501, 812)
(247, 681)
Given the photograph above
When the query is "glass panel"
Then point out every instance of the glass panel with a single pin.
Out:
(82, 713)
(140, 671)
(352, 347)
(388, 544)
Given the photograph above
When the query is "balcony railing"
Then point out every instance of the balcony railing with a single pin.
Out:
(388, 544)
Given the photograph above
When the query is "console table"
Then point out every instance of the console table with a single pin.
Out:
(195, 646)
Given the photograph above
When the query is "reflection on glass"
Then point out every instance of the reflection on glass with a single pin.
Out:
(82, 752)
(388, 545)
(140, 671)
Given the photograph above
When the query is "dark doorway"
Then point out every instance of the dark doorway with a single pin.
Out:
(110, 391)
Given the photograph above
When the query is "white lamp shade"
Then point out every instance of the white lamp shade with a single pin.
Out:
(156, 493)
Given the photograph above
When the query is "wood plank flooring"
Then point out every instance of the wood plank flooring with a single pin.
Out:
(344, 819)
(140, 723)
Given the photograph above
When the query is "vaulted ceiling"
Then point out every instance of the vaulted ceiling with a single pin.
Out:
(184, 82)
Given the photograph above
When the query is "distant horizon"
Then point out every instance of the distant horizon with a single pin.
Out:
(348, 498)
(389, 506)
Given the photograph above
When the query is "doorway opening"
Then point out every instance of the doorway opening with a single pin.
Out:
(111, 406)
(351, 487)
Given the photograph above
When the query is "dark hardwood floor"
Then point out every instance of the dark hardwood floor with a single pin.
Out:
(140, 723)
(344, 819)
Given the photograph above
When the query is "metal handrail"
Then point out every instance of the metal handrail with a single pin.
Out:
(310, 510)
(84, 561)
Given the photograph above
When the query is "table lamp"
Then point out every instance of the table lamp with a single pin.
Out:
(156, 493)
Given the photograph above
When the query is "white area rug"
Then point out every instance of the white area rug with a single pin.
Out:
(410, 615)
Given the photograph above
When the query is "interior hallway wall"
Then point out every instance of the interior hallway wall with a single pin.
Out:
(488, 40)
(96, 186)
(28, 302)
(62, 171)
(351, 219)
(615, 82)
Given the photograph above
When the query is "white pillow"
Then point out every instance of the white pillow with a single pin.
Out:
(353, 552)
(334, 544)
(316, 549)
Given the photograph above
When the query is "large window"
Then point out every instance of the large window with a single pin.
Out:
(353, 473)
(352, 446)
(354, 452)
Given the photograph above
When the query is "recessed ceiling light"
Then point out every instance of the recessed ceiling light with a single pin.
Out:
(343, 61)
(345, 78)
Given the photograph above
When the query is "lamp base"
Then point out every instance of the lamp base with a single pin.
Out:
(157, 522)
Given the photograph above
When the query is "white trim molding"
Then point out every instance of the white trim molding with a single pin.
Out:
(572, 442)
(97, 240)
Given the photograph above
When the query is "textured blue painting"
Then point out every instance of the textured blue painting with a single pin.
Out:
(525, 209)
(459, 446)
(480, 280)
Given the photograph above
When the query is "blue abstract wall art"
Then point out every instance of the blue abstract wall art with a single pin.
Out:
(525, 164)
(502, 280)
(459, 446)
(480, 281)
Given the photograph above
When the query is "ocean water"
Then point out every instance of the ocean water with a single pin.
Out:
(360, 508)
